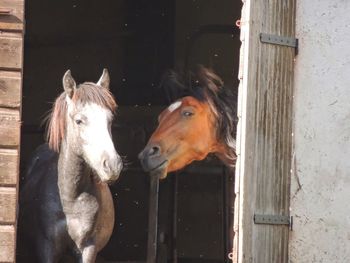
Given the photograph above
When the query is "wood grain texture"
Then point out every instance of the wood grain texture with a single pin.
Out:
(10, 127)
(9, 163)
(7, 244)
(237, 207)
(11, 54)
(8, 205)
(13, 20)
(265, 135)
(10, 89)
(11, 60)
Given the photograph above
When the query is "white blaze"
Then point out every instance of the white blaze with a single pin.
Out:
(174, 106)
(96, 136)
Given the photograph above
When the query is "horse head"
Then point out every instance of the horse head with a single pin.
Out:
(192, 127)
(81, 120)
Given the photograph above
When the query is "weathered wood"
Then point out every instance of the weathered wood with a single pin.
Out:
(5, 11)
(265, 135)
(10, 89)
(7, 244)
(9, 162)
(11, 59)
(12, 19)
(10, 127)
(11, 54)
(7, 205)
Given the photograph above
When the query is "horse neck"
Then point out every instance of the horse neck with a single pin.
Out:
(74, 175)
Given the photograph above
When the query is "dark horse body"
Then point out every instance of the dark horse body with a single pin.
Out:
(65, 204)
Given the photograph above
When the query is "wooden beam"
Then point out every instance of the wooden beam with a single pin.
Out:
(10, 127)
(8, 205)
(11, 54)
(9, 163)
(7, 244)
(11, 59)
(265, 130)
(10, 89)
(12, 15)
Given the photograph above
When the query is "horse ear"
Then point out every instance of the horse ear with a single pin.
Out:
(104, 79)
(69, 84)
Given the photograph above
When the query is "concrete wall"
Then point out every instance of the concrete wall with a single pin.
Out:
(320, 197)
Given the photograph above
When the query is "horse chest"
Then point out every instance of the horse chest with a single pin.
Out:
(91, 218)
(81, 217)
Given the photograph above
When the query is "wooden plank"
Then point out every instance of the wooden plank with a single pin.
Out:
(10, 127)
(12, 17)
(9, 163)
(7, 244)
(11, 54)
(265, 137)
(237, 203)
(10, 89)
(7, 205)
(11, 58)
(5, 11)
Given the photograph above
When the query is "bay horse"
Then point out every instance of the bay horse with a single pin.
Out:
(65, 204)
(202, 122)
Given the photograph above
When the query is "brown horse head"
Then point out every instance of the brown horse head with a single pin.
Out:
(192, 127)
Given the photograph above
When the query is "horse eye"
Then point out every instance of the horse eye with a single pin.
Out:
(187, 113)
(78, 121)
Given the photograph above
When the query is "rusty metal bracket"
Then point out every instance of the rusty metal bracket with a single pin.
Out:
(280, 40)
(273, 220)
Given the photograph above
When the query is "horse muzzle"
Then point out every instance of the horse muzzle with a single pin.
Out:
(152, 161)
(111, 169)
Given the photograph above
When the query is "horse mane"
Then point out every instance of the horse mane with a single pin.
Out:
(206, 86)
(223, 103)
(87, 92)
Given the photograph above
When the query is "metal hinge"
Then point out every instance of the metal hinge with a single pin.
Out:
(279, 40)
(273, 220)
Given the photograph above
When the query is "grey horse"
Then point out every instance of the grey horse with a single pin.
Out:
(65, 204)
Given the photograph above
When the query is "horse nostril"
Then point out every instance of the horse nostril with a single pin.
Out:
(155, 150)
(105, 165)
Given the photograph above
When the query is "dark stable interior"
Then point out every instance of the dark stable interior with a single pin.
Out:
(137, 41)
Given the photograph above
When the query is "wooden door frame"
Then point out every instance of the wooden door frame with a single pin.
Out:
(264, 132)
(11, 65)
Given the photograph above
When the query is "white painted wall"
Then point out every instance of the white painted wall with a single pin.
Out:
(320, 205)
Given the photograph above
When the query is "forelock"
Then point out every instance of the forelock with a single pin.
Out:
(89, 92)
